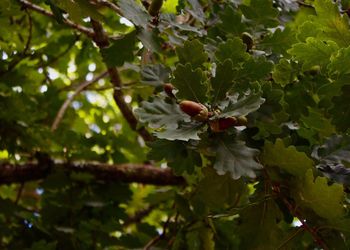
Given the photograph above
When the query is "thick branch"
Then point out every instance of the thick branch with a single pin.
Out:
(140, 173)
(68, 22)
(101, 39)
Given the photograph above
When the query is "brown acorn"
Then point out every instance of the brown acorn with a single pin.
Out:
(155, 7)
(168, 89)
(242, 121)
(197, 111)
(222, 124)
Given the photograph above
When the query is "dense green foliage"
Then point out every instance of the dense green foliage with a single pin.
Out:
(279, 181)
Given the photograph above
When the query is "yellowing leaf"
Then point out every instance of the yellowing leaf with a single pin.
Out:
(313, 52)
(286, 158)
(333, 25)
(169, 6)
(325, 200)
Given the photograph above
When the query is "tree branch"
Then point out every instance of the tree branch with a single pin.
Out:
(110, 5)
(82, 29)
(139, 173)
(101, 39)
(68, 101)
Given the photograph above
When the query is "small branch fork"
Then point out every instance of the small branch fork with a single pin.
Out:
(69, 100)
(293, 210)
(102, 41)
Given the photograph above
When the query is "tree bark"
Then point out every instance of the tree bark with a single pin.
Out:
(139, 173)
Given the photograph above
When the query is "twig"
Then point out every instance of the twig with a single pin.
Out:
(139, 215)
(57, 57)
(23, 54)
(313, 233)
(301, 3)
(32, 6)
(293, 211)
(110, 5)
(290, 237)
(30, 21)
(101, 39)
(19, 193)
(69, 100)
(156, 239)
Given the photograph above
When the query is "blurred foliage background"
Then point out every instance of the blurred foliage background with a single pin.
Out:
(72, 73)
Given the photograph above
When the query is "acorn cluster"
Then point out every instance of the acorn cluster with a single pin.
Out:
(200, 112)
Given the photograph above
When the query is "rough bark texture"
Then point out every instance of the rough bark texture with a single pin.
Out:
(140, 173)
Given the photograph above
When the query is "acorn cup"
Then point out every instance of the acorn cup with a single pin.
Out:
(197, 111)
(247, 40)
(155, 7)
(168, 89)
(222, 124)
(242, 121)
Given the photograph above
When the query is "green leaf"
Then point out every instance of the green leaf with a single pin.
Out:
(339, 62)
(79, 9)
(150, 39)
(286, 158)
(200, 237)
(43, 245)
(317, 121)
(283, 73)
(184, 132)
(120, 51)
(325, 200)
(332, 25)
(161, 114)
(254, 69)
(192, 52)
(233, 49)
(155, 75)
(308, 29)
(190, 83)
(213, 184)
(231, 16)
(235, 158)
(183, 207)
(258, 226)
(223, 80)
(236, 105)
(180, 158)
(56, 11)
(341, 109)
(279, 41)
(261, 12)
(134, 12)
(313, 52)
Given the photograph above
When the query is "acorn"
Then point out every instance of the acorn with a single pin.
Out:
(155, 7)
(222, 124)
(197, 111)
(314, 70)
(242, 121)
(247, 40)
(168, 89)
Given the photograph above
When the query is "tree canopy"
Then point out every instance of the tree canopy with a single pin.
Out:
(175, 124)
